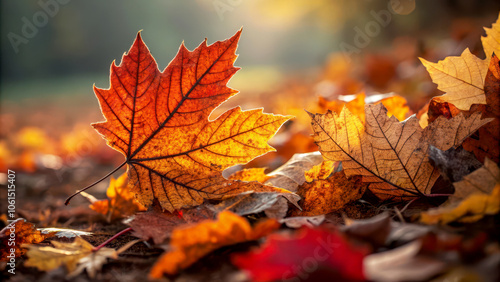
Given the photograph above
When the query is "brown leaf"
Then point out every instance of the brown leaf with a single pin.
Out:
(389, 155)
(189, 244)
(159, 122)
(462, 78)
(17, 233)
(76, 256)
(157, 225)
(478, 194)
(325, 192)
(453, 164)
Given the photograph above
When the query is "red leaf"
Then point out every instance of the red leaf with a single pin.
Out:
(305, 252)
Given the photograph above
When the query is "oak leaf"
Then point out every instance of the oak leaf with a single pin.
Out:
(25, 233)
(120, 203)
(478, 194)
(76, 256)
(389, 155)
(159, 122)
(189, 244)
(284, 257)
(461, 77)
(491, 42)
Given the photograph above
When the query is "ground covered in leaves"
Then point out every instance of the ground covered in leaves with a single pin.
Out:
(361, 186)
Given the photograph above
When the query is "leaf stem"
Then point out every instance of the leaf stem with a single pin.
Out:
(93, 184)
(437, 195)
(126, 230)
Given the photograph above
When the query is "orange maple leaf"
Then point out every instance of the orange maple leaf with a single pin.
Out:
(159, 122)
(189, 244)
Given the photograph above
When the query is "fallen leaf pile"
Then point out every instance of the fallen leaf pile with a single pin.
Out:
(385, 196)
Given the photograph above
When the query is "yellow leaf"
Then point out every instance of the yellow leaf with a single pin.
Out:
(251, 174)
(189, 244)
(462, 78)
(491, 42)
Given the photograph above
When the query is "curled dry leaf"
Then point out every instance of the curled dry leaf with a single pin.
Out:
(462, 78)
(325, 192)
(491, 42)
(189, 244)
(17, 233)
(284, 257)
(391, 156)
(121, 201)
(477, 195)
(159, 122)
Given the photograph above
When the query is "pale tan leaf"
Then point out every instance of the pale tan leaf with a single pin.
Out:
(390, 155)
(461, 77)
(491, 42)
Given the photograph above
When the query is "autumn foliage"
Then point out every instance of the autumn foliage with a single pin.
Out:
(188, 196)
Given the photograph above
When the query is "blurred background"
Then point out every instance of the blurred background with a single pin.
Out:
(53, 51)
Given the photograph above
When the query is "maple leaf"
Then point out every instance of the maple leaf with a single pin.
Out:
(478, 194)
(389, 155)
(462, 78)
(159, 122)
(120, 203)
(491, 42)
(25, 233)
(284, 257)
(76, 256)
(326, 191)
(192, 243)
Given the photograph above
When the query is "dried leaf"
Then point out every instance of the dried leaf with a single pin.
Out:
(251, 203)
(189, 244)
(491, 42)
(121, 202)
(324, 192)
(453, 164)
(374, 230)
(22, 232)
(487, 142)
(158, 225)
(284, 257)
(76, 256)
(251, 174)
(402, 264)
(159, 122)
(389, 155)
(478, 194)
(462, 78)
(289, 176)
